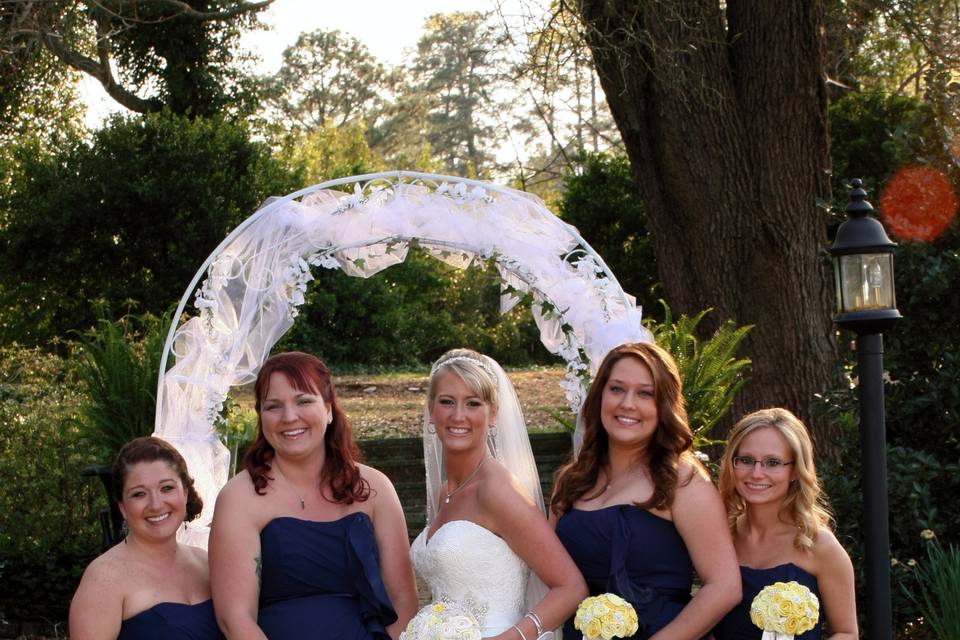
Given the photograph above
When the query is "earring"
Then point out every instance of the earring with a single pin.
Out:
(431, 428)
(492, 440)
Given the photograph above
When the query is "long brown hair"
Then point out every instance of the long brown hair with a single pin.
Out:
(340, 473)
(671, 441)
(804, 505)
(151, 449)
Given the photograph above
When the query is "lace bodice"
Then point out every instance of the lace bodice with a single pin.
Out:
(466, 563)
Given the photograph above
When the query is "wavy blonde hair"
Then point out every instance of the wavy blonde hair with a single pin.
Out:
(804, 505)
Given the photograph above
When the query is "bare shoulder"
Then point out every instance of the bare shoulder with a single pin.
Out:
(500, 490)
(828, 552)
(693, 481)
(197, 555)
(236, 502)
(238, 488)
(378, 479)
(106, 572)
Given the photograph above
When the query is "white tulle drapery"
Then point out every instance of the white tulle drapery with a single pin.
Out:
(256, 279)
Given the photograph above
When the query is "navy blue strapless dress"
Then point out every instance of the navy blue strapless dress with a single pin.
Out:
(736, 625)
(172, 621)
(322, 579)
(628, 551)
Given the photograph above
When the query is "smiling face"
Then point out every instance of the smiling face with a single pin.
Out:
(293, 421)
(758, 484)
(628, 407)
(460, 414)
(154, 502)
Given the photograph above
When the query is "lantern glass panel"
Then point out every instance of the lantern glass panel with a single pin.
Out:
(865, 282)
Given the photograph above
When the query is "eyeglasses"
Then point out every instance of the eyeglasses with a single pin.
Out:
(749, 462)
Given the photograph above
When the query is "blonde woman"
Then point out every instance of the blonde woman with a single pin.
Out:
(780, 524)
(487, 544)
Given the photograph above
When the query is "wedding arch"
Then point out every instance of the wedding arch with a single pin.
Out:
(255, 280)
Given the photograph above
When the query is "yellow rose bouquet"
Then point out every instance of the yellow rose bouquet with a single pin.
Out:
(785, 609)
(606, 616)
(442, 621)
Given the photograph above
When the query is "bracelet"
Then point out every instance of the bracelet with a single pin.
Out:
(537, 622)
(522, 637)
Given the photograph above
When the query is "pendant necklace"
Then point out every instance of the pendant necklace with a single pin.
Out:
(303, 504)
(450, 494)
(611, 479)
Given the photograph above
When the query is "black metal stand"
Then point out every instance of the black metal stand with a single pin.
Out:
(110, 518)
(876, 526)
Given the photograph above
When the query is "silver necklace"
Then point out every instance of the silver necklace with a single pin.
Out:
(450, 494)
(611, 480)
(303, 504)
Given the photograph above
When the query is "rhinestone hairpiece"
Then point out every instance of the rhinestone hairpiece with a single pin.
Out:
(480, 363)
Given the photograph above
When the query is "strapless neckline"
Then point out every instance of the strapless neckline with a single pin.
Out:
(466, 563)
(427, 538)
(165, 605)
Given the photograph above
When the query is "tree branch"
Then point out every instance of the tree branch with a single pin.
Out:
(100, 70)
(185, 9)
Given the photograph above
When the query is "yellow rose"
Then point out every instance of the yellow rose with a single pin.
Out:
(616, 600)
(608, 631)
(593, 630)
(791, 626)
(438, 607)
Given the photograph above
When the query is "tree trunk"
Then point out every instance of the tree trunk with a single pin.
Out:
(723, 116)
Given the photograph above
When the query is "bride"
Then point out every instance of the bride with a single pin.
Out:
(487, 545)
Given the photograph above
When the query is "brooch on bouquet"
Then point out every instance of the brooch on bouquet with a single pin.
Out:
(785, 609)
(442, 621)
(606, 616)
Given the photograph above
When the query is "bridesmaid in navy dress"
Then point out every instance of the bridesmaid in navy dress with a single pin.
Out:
(636, 511)
(148, 587)
(306, 542)
(780, 524)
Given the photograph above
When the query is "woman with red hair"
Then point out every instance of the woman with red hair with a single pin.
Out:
(306, 542)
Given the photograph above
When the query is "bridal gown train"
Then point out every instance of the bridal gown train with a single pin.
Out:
(470, 565)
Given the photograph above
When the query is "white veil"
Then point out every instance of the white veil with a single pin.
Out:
(513, 451)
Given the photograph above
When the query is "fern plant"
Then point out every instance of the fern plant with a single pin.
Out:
(118, 367)
(939, 597)
(710, 370)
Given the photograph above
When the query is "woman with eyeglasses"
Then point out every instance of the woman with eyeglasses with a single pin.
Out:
(781, 525)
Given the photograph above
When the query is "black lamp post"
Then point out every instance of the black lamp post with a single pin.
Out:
(863, 269)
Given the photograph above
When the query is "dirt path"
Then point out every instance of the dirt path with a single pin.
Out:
(390, 406)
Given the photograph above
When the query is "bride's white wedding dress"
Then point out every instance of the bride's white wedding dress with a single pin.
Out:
(470, 565)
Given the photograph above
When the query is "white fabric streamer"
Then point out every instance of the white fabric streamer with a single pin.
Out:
(256, 279)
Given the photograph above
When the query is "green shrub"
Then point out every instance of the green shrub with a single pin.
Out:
(48, 524)
(922, 490)
(710, 371)
(118, 365)
(603, 203)
(410, 314)
(128, 215)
